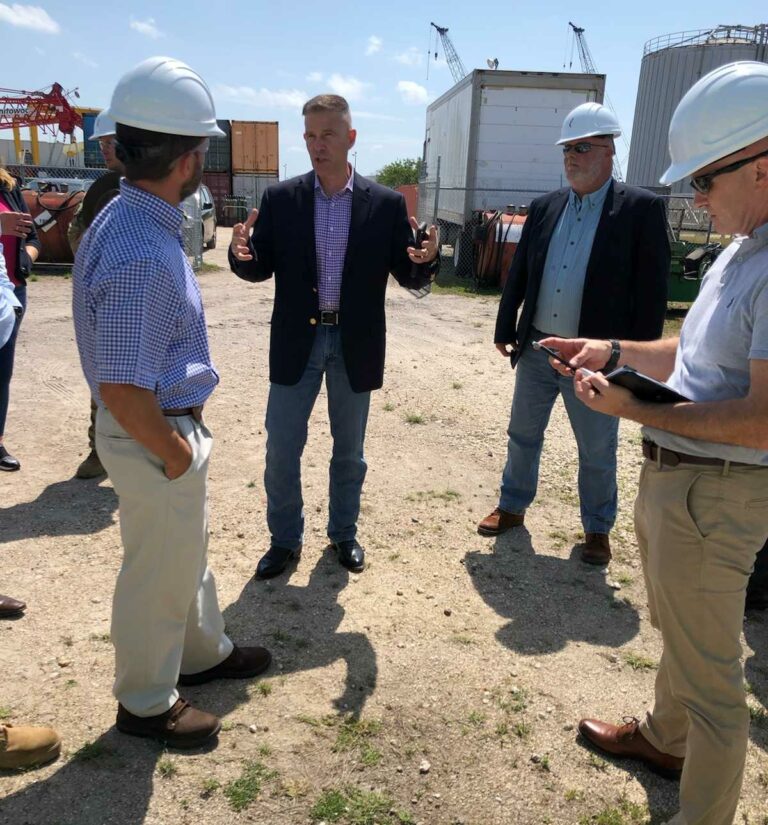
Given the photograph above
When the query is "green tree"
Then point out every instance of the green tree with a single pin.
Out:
(399, 172)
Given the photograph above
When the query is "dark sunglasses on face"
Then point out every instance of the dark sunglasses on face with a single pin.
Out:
(703, 183)
(583, 147)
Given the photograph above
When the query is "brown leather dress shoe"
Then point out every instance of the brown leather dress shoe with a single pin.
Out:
(10, 607)
(25, 746)
(180, 727)
(242, 663)
(596, 549)
(626, 741)
(499, 521)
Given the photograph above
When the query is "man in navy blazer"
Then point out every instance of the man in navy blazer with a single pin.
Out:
(592, 257)
(331, 238)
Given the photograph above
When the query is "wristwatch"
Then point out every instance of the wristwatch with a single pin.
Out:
(614, 358)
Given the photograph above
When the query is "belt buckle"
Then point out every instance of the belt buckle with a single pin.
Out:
(329, 317)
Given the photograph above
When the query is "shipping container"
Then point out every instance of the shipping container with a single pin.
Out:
(251, 187)
(495, 133)
(219, 155)
(92, 156)
(220, 184)
(255, 147)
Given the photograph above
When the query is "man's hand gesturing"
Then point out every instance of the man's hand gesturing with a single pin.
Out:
(241, 233)
(428, 251)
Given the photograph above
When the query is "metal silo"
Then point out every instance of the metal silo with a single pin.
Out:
(671, 64)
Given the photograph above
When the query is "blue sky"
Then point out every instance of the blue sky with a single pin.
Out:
(262, 60)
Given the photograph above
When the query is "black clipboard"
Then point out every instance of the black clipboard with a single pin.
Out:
(643, 387)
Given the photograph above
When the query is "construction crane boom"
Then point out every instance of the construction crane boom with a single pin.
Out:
(452, 58)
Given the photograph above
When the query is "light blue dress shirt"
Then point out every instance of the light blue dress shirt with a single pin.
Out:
(558, 307)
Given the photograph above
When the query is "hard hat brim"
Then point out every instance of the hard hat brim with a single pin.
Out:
(171, 127)
(612, 134)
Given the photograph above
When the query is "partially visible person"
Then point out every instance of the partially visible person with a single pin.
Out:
(143, 344)
(96, 198)
(757, 587)
(27, 746)
(21, 247)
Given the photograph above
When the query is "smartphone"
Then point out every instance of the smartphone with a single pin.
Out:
(552, 353)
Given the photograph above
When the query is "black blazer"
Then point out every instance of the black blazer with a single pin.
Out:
(15, 200)
(625, 289)
(283, 243)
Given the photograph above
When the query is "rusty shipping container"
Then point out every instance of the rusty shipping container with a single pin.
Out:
(251, 187)
(254, 147)
(220, 184)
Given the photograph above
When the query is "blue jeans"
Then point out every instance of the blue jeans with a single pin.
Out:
(288, 411)
(7, 354)
(536, 388)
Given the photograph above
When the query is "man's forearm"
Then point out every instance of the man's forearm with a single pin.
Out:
(136, 410)
(653, 358)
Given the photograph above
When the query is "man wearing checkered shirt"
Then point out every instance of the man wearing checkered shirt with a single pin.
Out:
(144, 349)
(331, 238)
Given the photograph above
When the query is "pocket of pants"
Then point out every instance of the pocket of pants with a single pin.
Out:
(703, 498)
(757, 504)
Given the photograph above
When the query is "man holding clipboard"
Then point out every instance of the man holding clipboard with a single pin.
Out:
(701, 513)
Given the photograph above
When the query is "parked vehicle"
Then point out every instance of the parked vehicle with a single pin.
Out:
(201, 202)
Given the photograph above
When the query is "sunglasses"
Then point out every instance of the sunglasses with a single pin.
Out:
(703, 183)
(583, 147)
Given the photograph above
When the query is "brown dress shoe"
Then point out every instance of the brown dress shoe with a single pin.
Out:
(10, 607)
(242, 663)
(596, 549)
(180, 727)
(499, 521)
(24, 747)
(626, 741)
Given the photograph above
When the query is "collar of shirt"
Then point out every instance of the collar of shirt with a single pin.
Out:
(166, 216)
(594, 200)
(349, 186)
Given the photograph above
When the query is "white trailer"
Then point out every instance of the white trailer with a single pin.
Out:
(494, 133)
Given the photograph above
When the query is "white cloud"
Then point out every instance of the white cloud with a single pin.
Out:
(279, 98)
(147, 27)
(347, 86)
(315, 77)
(85, 60)
(375, 116)
(28, 17)
(412, 92)
(410, 57)
(377, 146)
(374, 45)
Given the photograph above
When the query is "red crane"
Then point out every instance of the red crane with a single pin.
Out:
(48, 110)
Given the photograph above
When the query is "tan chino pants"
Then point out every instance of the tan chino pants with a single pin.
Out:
(165, 614)
(699, 530)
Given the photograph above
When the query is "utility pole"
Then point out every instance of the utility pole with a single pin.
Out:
(285, 171)
(354, 161)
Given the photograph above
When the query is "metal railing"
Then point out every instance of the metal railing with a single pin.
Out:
(757, 35)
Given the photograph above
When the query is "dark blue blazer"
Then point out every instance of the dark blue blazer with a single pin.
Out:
(283, 244)
(625, 290)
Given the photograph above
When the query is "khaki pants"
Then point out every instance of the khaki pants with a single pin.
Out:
(165, 615)
(699, 530)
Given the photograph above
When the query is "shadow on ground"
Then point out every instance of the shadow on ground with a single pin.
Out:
(549, 601)
(756, 674)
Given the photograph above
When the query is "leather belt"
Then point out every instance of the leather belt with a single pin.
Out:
(195, 412)
(670, 458)
(329, 317)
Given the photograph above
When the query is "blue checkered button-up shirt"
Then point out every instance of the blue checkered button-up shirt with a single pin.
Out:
(137, 307)
(332, 217)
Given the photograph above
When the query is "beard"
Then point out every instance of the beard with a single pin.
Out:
(190, 186)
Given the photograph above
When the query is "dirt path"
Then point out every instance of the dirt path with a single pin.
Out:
(476, 656)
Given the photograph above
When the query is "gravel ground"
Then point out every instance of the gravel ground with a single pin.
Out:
(441, 686)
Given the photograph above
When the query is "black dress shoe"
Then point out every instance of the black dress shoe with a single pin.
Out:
(351, 555)
(7, 461)
(274, 561)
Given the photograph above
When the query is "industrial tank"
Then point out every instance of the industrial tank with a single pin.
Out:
(671, 64)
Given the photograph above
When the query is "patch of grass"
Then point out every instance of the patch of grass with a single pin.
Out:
(456, 385)
(639, 662)
(331, 806)
(100, 637)
(265, 750)
(624, 579)
(370, 757)
(517, 701)
(414, 418)
(522, 730)
(394, 556)
(293, 788)
(476, 719)
(209, 267)
(758, 716)
(355, 733)
(228, 725)
(5, 713)
(264, 688)
(460, 639)
(33, 278)
(67, 641)
(353, 806)
(318, 722)
(210, 786)
(70, 683)
(167, 768)
(502, 729)
(625, 813)
(389, 407)
(544, 763)
(89, 752)
(434, 495)
(573, 795)
(597, 763)
(250, 485)
(242, 791)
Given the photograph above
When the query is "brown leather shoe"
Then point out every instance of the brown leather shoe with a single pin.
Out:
(499, 521)
(24, 747)
(10, 607)
(596, 549)
(626, 741)
(180, 727)
(242, 663)
(90, 466)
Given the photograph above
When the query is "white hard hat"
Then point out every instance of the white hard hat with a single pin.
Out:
(104, 126)
(164, 95)
(723, 112)
(589, 120)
